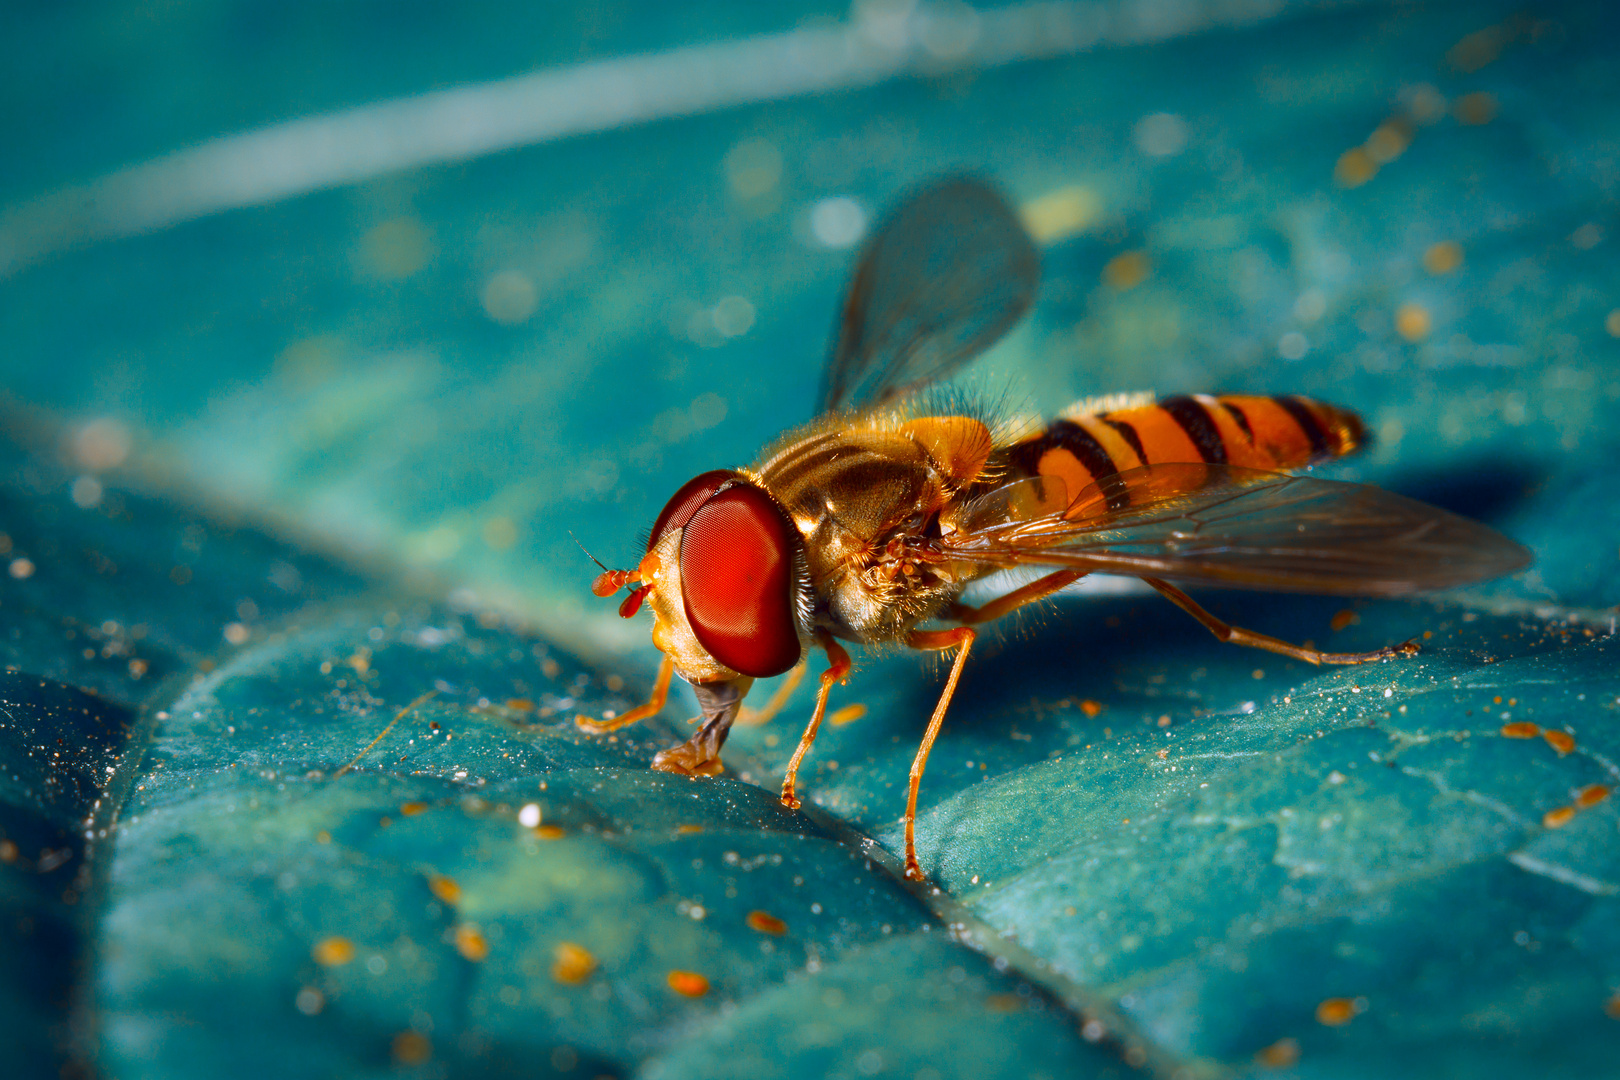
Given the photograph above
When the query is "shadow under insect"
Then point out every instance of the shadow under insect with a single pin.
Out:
(1489, 488)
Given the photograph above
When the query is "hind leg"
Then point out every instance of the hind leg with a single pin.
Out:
(1236, 635)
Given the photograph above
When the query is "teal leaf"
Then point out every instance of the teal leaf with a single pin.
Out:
(294, 626)
(58, 745)
(459, 860)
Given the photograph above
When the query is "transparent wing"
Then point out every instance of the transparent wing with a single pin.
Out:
(944, 276)
(1248, 529)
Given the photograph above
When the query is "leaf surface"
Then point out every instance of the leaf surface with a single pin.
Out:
(289, 782)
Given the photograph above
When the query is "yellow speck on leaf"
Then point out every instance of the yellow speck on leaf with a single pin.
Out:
(1127, 270)
(411, 1048)
(333, 951)
(1279, 1055)
(445, 888)
(1443, 258)
(1354, 168)
(1558, 817)
(847, 715)
(1413, 322)
(1060, 214)
(1390, 140)
(470, 942)
(572, 964)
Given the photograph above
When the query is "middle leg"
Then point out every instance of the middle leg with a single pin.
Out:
(755, 717)
(961, 639)
(1039, 589)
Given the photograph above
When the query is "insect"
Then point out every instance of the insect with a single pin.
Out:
(866, 524)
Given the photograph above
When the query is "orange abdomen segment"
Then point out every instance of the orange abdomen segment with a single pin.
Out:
(1283, 432)
(1250, 431)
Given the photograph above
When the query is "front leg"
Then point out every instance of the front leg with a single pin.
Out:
(652, 707)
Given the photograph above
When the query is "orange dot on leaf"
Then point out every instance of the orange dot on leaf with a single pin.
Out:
(573, 963)
(688, 983)
(1591, 795)
(766, 923)
(1335, 1012)
(1558, 817)
(471, 943)
(1561, 741)
(1280, 1054)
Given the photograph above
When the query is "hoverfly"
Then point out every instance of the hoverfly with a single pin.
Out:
(866, 524)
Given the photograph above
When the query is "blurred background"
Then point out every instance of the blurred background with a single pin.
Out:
(437, 285)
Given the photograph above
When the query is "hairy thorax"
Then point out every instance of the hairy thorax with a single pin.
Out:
(870, 499)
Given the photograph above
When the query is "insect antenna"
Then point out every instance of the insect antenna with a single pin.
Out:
(609, 582)
(588, 555)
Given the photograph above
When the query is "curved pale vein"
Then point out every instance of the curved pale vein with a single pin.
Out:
(350, 145)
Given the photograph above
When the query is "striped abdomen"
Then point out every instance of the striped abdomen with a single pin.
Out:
(1269, 433)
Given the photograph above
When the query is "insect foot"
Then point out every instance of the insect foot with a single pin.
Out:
(691, 758)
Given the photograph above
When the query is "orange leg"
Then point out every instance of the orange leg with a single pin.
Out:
(961, 639)
(1236, 635)
(1039, 589)
(837, 670)
(652, 706)
(747, 717)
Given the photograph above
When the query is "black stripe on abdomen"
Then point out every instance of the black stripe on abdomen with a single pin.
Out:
(1195, 420)
(1128, 433)
(1306, 421)
(1242, 421)
(1067, 435)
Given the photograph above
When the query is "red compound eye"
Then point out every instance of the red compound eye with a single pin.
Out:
(684, 503)
(737, 581)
